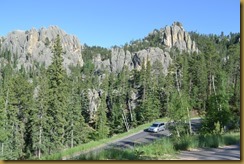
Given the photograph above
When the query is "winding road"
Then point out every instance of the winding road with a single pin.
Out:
(142, 137)
(231, 152)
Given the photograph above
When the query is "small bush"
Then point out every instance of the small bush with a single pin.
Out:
(158, 148)
(111, 154)
(231, 139)
(209, 141)
(182, 143)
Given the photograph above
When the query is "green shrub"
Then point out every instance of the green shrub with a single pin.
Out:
(158, 148)
(111, 154)
(209, 141)
(230, 139)
(182, 143)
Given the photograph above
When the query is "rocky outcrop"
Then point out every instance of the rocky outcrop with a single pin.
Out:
(179, 38)
(176, 36)
(101, 65)
(36, 46)
(153, 54)
(121, 59)
(171, 37)
(93, 103)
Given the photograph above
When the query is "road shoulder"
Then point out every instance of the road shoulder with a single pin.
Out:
(230, 152)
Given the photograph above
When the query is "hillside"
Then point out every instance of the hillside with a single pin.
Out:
(56, 94)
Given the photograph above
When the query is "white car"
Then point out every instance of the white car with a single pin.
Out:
(156, 127)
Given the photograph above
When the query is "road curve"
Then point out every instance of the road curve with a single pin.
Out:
(141, 137)
(146, 137)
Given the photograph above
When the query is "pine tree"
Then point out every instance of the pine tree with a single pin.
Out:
(39, 119)
(177, 100)
(101, 114)
(213, 67)
(3, 122)
(149, 104)
(232, 69)
(77, 130)
(5, 79)
(199, 81)
(57, 109)
(101, 122)
(20, 101)
(142, 81)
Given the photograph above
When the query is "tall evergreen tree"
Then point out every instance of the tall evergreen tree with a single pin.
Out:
(101, 114)
(39, 119)
(57, 109)
(19, 106)
(77, 129)
(3, 122)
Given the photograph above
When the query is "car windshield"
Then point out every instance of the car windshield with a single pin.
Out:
(154, 125)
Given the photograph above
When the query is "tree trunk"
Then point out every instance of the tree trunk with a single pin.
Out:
(72, 135)
(144, 93)
(6, 102)
(131, 116)
(177, 82)
(177, 131)
(209, 85)
(40, 141)
(213, 85)
(189, 120)
(219, 108)
(125, 121)
(2, 146)
(39, 153)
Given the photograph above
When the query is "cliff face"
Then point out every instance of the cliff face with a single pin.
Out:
(176, 36)
(36, 46)
(170, 37)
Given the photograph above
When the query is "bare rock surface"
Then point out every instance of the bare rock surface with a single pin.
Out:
(36, 46)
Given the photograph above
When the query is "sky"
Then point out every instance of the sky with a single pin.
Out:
(114, 22)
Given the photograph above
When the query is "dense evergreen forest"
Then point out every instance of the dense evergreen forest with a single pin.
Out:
(44, 111)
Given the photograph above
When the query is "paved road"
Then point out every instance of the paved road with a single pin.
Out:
(231, 152)
(146, 137)
(141, 137)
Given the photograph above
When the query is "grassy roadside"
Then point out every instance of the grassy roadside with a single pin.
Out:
(94, 144)
(165, 148)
